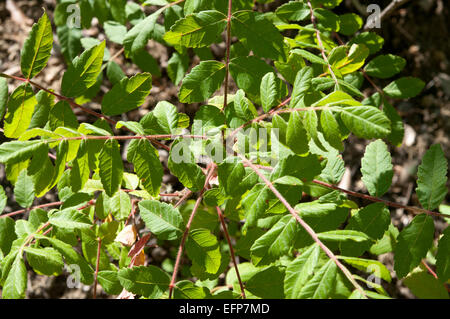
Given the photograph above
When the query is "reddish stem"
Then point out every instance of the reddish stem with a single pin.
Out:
(233, 257)
(227, 62)
(34, 207)
(308, 229)
(97, 266)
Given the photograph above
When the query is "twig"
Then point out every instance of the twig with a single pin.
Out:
(186, 233)
(319, 41)
(34, 207)
(233, 257)
(99, 247)
(308, 229)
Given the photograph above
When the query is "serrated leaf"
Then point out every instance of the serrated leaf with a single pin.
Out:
(147, 166)
(443, 257)
(276, 242)
(365, 121)
(331, 130)
(301, 85)
(425, 286)
(385, 66)
(163, 119)
(162, 219)
(150, 281)
(111, 167)
(432, 178)
(376, 168)
(370, 266)
(404, 88)
(182, 165)
(36, 48)
(321, 284)
(7, 235)
(293, 11)
(127, 95)
(261, 283)
(136, 39)
(24, 190)
(177, 66)
(82, 74)
(269, 91)
(109, 280)
(21, 105)
(299, 271)
(296, 136)
(16, 282)
(202, 248)
(258, 34)
(202, 82)
(413, 243)
(197, 30)
(71, 219)
(343, 236)
(45, 261)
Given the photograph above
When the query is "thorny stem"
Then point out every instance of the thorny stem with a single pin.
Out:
(319, 41)
(186, 233)
(227, 62)
(97, 266)
(310, 231)
(233, 257)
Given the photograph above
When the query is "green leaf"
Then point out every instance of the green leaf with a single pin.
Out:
(296, 136)
(202, 82)
(109, 280)
(7, 234)
(18, 151)
(425, 286)
(370, 39)
(413, 243)
(369, 266)
(373, 220)
(269, 91)
(299, 271)
(432, 178)
(82, 74)
(202, 248)
(343, 236)
(276, 242)
(46, 261)
(61, 115)
(404, 88)
(255, 203)
(163, 119)
(261, 284)
(230, 173)
(37, 48)
(146, 62)
(301, 85)
(111, 167)
(16, 282)
(136, 39)
(350, 23)
(115, 31)
(248, 72)
(177, 66)
(3, 96)
(376, 168)
(70, 218)
(385, 66)
(397, 129)
(147, 166)
(24, 190)
(331, 130)
(293, 11)
(321, 284)
(162, 219)
(442, 257)
(21, 105)
(117, 8)
(127, 95)
(365, 121)
(181, 163)
(186, 289)
(71, 257)
(197, 30)
(150, 282)
(258, 34)
(327, 19)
